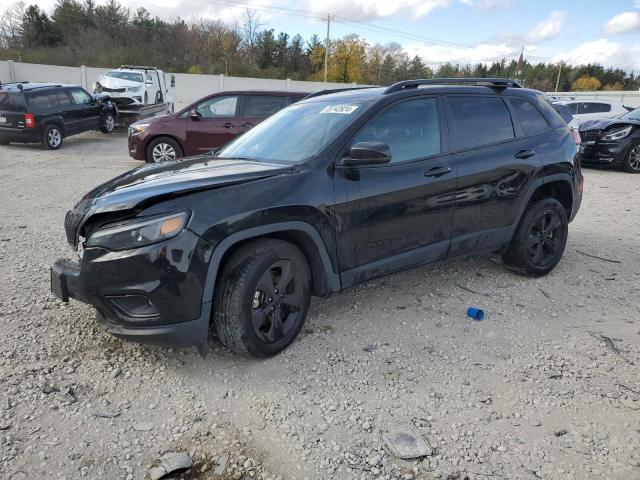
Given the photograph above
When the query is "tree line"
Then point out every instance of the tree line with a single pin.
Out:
(83, 33)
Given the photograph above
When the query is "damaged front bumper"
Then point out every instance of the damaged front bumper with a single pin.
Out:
(150, 295)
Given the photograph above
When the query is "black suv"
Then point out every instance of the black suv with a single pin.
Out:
(46, 112)
(327, 193)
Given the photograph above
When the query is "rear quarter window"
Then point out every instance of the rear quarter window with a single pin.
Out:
(529, 116)
(12, 102)
(480, 121)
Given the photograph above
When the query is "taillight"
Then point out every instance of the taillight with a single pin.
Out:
(29, 120)
(576, 136)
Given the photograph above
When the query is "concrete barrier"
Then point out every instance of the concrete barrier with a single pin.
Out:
(188, 88)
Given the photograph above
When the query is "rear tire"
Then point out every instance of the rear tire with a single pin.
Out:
(632, 162)
(52, 137)
(108, 123)
(163, 149)
(540, 239)
(262, 298)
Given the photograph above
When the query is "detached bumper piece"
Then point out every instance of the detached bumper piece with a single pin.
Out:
(65, 280)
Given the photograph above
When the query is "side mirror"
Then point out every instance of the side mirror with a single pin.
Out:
(368, 153)
(173, 81)
(194, 115)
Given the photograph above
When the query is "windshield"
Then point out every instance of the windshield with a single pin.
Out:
(632, 115)
(296, 133)
(131, 76)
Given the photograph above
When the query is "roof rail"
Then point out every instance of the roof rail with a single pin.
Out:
(333, 90)
(489, 82)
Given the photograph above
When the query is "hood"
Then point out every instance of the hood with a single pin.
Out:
(606, 123)
(152, 120)
(163, 180)
(112, 82)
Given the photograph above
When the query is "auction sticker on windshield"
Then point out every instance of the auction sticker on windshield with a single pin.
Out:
(344, 109)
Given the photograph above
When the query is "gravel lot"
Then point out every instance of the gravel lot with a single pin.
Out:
(547, 386)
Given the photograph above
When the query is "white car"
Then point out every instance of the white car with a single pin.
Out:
(584, 110)
(134, 86)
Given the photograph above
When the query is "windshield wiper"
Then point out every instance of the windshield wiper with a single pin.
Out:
(238, 158)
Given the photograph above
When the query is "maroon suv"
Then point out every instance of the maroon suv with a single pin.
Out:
(204, 125)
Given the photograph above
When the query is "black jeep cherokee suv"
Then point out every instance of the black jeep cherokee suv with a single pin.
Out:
(330, 192)
(48, 112)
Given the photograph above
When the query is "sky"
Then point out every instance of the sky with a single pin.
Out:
(456, 31)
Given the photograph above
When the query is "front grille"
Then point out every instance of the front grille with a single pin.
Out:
(590, 135)
(117, 90)
(71, 222)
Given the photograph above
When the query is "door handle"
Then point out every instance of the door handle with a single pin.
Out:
(522, 154)
(437, 171)
(228, 125)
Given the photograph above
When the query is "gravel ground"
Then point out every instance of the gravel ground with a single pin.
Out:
(547, 386)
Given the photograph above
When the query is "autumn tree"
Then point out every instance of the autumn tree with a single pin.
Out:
(586, 83)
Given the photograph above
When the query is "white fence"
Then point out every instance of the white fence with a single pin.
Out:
(188, 87)
(629, 98)
(192, 87)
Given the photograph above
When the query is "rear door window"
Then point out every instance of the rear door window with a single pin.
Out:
(411, 129)
(61, 99)
(605, 107)
(40, 101)
(480, 121)
(263, 105)
(589, 107)
(12, 102)
(529, 116)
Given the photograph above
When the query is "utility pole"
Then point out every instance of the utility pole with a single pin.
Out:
(558, 79)
(326, 46)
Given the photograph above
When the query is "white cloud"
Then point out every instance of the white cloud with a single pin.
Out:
(604, 52)
(370, 9)
(624, 22)
(488, 5)
(548, 29)
(434, 55)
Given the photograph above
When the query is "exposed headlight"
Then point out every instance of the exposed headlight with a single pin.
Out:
(138, 233)
(137, 129)
(617, 134)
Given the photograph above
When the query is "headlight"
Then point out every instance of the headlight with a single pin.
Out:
(138, 233)
(617, 134)
(133, 89)
(137, 129)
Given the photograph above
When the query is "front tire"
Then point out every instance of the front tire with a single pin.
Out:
(52, 137)
(163, 149)
(540, 239)
(262, 298)
(632, 162)
(108, 123)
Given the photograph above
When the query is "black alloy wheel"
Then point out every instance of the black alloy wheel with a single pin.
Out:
(540, 239)
(277, 302)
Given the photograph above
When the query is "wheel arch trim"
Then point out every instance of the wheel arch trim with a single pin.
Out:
(535, 185)
(332, 278)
